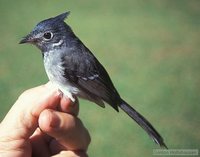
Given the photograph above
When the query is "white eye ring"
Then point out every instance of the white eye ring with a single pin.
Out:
(48, 36)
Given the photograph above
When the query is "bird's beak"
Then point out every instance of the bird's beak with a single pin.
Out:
(27, 39)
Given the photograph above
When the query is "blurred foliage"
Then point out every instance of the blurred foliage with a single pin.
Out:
(151, 50)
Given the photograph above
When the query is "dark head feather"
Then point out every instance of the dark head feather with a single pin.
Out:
(54, 21)
(62, 16)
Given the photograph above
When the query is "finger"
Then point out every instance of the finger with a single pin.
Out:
(66, 105)
(71, 154)
(39, 145)
(22, 118)
(65, 128)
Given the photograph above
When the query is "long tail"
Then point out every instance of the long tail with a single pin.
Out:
(143, 123)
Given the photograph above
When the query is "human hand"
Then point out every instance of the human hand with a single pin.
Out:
(42, 123)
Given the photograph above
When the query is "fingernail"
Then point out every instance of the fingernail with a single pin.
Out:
(55, 121)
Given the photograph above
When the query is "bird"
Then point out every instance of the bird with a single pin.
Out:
(76, 72)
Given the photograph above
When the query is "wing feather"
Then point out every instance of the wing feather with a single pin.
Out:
(85, 72)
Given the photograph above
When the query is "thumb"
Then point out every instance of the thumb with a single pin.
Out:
(22, 119)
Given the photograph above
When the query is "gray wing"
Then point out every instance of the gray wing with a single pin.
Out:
(85, 72)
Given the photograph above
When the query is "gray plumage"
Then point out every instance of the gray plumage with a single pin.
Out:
(72, 67)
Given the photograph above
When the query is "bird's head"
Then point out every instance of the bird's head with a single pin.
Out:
(48, 33)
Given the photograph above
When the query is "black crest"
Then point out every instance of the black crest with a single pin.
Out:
(62, 16)
(54, 21)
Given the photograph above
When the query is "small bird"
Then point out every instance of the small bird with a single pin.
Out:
(72, 67)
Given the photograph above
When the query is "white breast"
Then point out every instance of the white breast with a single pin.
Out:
(55, 73)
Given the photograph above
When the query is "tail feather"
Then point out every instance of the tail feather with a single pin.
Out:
(143, 123)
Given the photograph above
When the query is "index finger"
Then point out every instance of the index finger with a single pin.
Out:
(67, 106)
(22, 118)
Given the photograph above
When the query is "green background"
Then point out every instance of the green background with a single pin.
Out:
(151, 49)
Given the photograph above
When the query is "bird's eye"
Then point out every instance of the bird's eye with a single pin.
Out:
(48, 35)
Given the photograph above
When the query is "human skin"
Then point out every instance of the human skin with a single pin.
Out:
(43, 123)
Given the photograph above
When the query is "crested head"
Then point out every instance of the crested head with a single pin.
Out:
(52, 22)
(49, 33)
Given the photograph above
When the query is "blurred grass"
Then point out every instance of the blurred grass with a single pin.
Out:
(151, 50)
